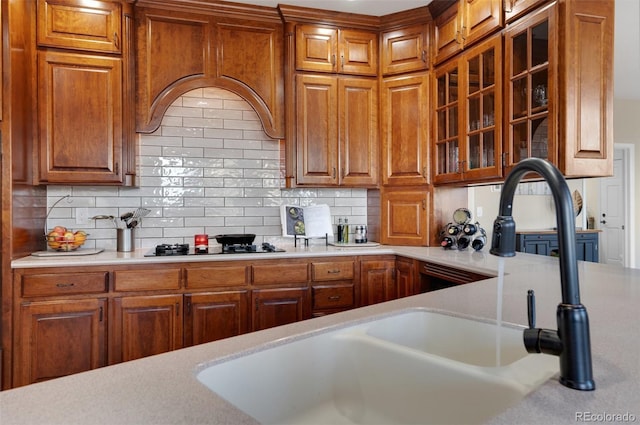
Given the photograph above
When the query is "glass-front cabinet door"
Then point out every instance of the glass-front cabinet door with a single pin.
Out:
(530, 90)
(447, 137)
(469, 112)
(482, 68)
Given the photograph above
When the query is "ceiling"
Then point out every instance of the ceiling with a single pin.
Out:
(626, 38)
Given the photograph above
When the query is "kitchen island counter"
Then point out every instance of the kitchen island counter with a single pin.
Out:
(163, 389)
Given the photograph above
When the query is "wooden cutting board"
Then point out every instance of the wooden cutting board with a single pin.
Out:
(78, 251)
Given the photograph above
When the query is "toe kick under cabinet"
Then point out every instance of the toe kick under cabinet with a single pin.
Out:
(546, 243)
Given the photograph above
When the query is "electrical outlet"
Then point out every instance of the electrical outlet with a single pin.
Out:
(82, 215)
(479, 212)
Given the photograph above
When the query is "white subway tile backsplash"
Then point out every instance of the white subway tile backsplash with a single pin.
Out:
(209, 168)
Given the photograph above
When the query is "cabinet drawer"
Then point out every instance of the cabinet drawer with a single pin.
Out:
(334, 270)
(334, 296)
(266, 274)
(68, 24)
(146, 280)
(52, 284)
(209, 277)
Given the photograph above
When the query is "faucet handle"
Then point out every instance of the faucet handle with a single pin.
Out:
(531, 308)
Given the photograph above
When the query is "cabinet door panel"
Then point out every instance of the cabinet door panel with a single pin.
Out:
(316, 48)
(406, 277)
(333, 296)
(377, 282)
(144, 326)
(358, 52)
(481, 17)
(216, 276)
(358, 131)
(448, 38)
(332, 270)
(80, 114)
(275, 307)
(405, 50)
(404, 217)
(405, 129)
(587, 127)
(59, 338)
(180, 48)
(147, 280)
(250, 54)
(317, 129)
(213, 316)
(278, 274)
(61, 284)
(94, 26)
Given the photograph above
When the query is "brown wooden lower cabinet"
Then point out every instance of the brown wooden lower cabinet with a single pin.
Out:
(78, 319)
(58, 338)
(406, 277)
(377, 283)
(332, 298)
(211, 316)
(144, 326)
(279, 306)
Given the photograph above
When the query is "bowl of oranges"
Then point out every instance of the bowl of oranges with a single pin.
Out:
(62, 239)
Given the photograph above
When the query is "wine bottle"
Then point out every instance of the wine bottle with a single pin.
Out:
(448, 242)
(463, 242)
(479, 241)
(453, 229)
(470, 229)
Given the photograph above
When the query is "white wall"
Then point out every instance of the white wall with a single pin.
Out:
(530, 211)
(626, 127)
(209, 168)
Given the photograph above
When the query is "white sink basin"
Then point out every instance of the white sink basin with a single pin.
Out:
(453, 337)
(364, 374)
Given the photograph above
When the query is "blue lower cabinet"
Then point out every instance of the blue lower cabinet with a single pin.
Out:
(547, 244)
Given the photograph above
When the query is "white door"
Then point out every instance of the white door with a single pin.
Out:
(612, 213)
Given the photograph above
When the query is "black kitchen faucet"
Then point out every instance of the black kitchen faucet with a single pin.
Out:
(571, 341)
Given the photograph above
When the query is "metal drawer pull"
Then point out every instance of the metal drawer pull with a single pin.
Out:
(333, 271)
(65, 285)
(334, 298)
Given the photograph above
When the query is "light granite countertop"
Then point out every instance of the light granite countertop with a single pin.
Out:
(163, 389)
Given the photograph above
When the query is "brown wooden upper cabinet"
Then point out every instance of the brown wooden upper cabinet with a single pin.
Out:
(468, 109)
(404, 216)
(404, 120)
(210, 45)
(558, 87)
(86, 137)
(514, 9)
(463, 24)
(337, 130)
(328, 49)
(93, 26)
(81, 135)
(405, 50)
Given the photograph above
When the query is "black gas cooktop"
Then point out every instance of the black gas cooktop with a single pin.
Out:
(166, 250)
